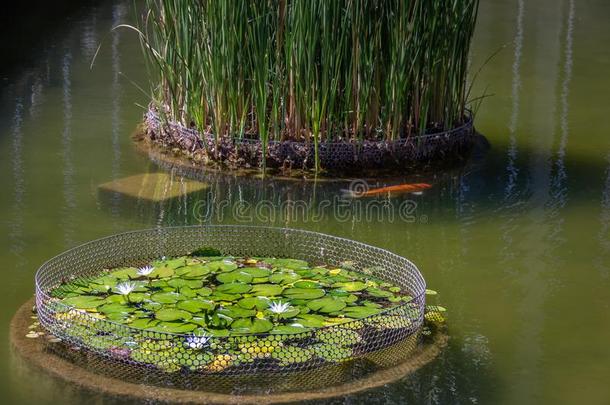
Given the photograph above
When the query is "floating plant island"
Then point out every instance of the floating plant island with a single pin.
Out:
(210, 311)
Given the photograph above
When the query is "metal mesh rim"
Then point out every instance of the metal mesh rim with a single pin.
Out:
(137, 247)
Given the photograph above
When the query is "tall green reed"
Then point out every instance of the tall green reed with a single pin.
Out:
(310, 70)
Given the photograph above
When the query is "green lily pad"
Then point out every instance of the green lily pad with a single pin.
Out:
(83, 301)
(166, 297)
(234, 288)
(284, 278)
(180, 282)
(221, 265)
(173, 327)
(376, 292)
(351, 286)
(359, 312)
(195, 271)
(125, 273)
(310, 320)
(289, 329)
(326, 304)
(173, 314)
(307, 284)
(196, 306)
(266, 290)
(162, 272)
(234, 276)
(303, 293)
(259, 303)
(115, 308)
(220, 296)
(234, 312)
(256, 272)
(248, 325)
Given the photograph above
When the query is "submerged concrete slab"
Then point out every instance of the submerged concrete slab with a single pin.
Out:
(155, 187)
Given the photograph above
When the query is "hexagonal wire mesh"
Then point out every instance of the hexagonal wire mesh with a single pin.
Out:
(109, 343)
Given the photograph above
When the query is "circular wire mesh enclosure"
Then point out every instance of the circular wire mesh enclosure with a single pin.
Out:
(345, 157)
(176, 359)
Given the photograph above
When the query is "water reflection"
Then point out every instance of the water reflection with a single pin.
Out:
(68, 169)
(17, 244)
(118, 13)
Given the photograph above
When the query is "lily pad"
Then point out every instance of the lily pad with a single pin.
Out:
(284, 278)
(351, 286)
(259, 303)
(166, 297)
(234, 288)
(173, 314)
(83, 301)
(359, 312)
(234, 312)
(266, 290)
(196, 306)
(248, 325)
(234, 276)
(326, 304)
(303, 293)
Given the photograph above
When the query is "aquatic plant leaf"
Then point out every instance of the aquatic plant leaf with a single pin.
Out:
(307, 284)
(125, 273)
(220, 296)
(310, 320)
(83, 301)
(376, 292)
(174, 327)
(234, 276)
(234, 288)
(359, 312)
(284, 278)
(303, 293)
(195, 271)
(196, 306)
(351, 286)
(256, 272)
(288, 329)
(115, 308)
(221, 265)
(173, 314)
(166, 297)
(266, 290)
(293, 264)
(143, 323)
(162, 272)
(180, 282)
(204, 291)
(326, 304)
(259, 303)
(234, 312)
(254, 325)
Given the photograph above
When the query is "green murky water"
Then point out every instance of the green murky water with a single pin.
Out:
(518, 242)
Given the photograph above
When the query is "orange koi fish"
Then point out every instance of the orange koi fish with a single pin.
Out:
(415, 188)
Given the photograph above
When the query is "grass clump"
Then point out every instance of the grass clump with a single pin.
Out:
(310, 70)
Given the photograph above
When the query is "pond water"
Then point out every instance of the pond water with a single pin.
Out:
(517, 242)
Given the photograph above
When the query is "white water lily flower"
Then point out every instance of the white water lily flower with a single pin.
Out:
(197, 341)
(145, 271)
(279, 307)
(126, 287)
